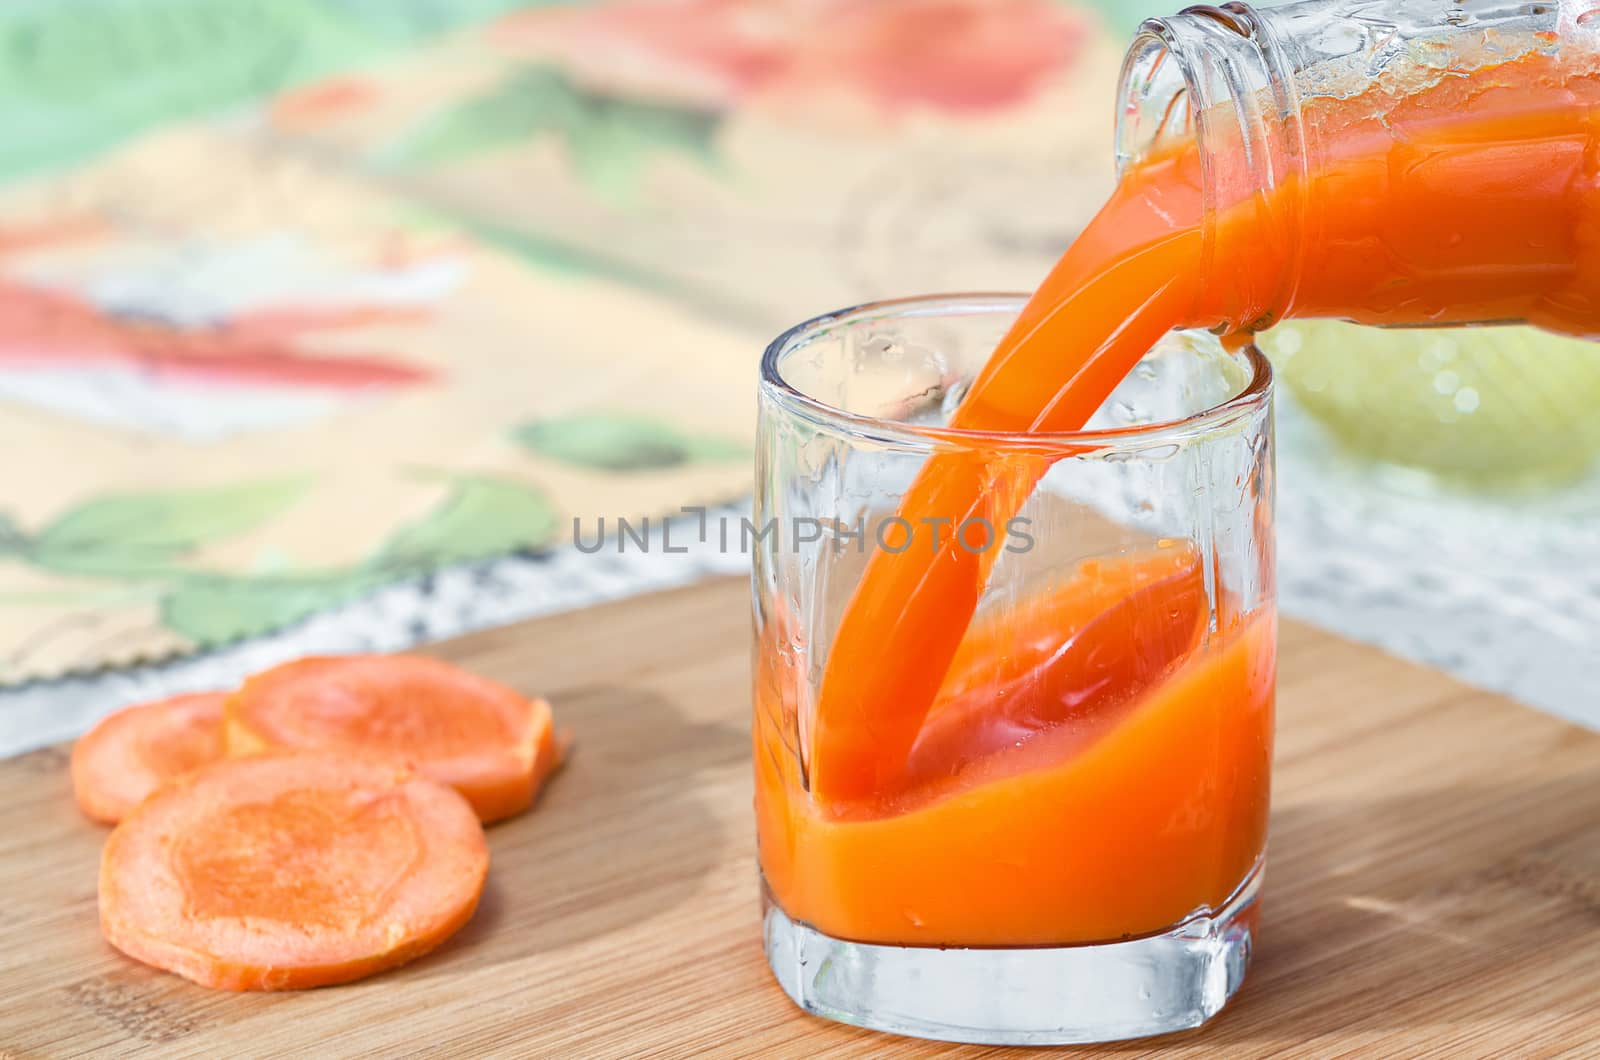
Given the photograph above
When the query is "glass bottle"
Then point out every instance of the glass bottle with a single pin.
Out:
(1392, 162)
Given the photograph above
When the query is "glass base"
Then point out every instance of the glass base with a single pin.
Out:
(1034, 996)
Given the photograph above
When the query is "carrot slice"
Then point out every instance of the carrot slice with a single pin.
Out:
(131, 753)
(492, 744)
(292, 870)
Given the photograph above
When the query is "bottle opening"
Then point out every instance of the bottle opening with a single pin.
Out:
(1211, 80)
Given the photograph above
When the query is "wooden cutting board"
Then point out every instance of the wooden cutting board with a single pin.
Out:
(1433, 882)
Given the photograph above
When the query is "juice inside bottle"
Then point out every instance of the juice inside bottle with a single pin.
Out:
(1435, 194)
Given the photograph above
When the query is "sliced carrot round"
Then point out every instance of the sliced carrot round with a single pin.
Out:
(283, 871)
(131, 753)
(489, 742)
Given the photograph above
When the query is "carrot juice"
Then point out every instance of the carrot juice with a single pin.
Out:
(1096, 768)
(1038, 808)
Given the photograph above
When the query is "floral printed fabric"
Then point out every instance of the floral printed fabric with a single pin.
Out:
(299, 299)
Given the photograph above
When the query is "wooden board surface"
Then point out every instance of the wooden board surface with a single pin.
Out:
(1433, 882)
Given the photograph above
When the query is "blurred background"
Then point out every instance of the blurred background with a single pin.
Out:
(321, 321)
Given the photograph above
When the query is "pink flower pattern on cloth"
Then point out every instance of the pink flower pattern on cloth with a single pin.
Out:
(959, 56)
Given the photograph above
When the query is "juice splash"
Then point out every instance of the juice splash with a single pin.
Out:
(1469, 198)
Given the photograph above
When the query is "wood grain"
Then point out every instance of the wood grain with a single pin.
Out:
(1433, 885)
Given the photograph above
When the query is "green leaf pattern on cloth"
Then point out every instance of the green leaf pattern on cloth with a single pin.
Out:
(618, 442)
(122, 66)
(134, 534)
(143, 540)
(607, 138)
(481, 517)
(217, 609)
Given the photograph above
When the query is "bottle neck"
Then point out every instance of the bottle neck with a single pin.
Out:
(1215, 81)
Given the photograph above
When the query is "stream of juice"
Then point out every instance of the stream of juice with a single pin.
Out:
(1474, 198)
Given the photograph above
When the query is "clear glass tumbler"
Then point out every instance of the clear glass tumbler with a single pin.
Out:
(1065, 844)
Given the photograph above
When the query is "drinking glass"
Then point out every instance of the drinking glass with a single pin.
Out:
(1066, 843)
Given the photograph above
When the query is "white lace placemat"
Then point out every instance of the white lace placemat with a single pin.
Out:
(1504, 594)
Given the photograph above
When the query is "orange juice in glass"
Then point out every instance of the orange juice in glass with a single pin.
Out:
(1062, 842)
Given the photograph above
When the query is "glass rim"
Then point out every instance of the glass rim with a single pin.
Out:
(1256, 393)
